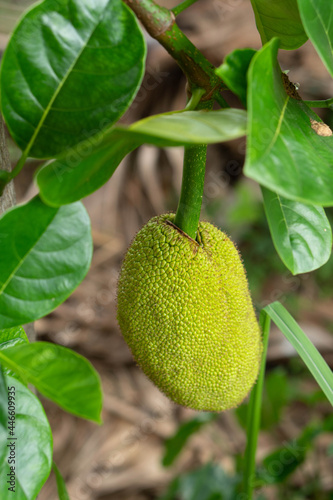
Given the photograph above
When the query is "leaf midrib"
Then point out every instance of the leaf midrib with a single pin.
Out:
(59, 88)
(21, 261)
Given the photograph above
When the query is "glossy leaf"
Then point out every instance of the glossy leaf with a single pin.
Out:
(10, 338)
(60, 374)
(286, 151)
(175, 444)
(46, 253)
(31, 443)
(301, 233)
(61, 486)
(317, 17)
(83, 170)
(306, 350)
(71, 68)
(279, 18)
(234, 69)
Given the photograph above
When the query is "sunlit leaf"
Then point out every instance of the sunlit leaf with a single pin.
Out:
(71, 69)
(83, 170)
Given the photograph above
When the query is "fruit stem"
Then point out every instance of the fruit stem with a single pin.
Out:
(254, 414)
(190, 201)
(189, 207)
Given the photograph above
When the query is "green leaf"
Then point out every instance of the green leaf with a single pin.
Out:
(10, 338)
(80, 172)
(31, 443)
(234, 69)
(279, 18)
(306, 350)
(61, 486)
(282, 462)
(71, 68)
(285, 153)
(317, 17)
(60, 374)
(301, 233)
(207, 483)
(175, 444)
(46, 253)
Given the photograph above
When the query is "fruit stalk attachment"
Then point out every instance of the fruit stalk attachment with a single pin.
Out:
(189, 207)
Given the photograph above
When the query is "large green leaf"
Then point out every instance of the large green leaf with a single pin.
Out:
(81, 171)
(45, 254)
(317, 17)
(286, 151)
(279, 18)
(175, 444)
(71, 68)
(31, 442)
(301, 233)
(60, 374)
(306, 350)
(234, 69)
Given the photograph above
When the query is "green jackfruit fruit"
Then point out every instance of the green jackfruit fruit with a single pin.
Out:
(185, 311)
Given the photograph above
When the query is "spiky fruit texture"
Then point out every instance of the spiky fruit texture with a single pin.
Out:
(185, 311)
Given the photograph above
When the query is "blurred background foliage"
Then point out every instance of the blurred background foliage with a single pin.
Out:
(148, 448)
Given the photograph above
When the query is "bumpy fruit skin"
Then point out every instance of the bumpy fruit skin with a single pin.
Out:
(185, 311)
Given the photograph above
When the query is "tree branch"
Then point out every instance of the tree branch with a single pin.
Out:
(160, 24)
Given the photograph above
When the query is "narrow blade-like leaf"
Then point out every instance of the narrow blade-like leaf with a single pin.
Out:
(61, 486)
(307, 351)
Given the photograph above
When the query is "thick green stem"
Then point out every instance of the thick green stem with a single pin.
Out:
(254, 414)
(182, 6)
(189, 207)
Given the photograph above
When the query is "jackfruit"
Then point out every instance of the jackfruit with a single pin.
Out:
(185, 310)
